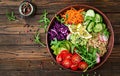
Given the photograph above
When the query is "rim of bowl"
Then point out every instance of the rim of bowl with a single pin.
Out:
(108, 23)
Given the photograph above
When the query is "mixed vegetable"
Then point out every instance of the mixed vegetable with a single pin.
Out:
(78, 38)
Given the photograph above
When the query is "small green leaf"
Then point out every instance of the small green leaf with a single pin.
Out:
(61, 20)
(10, 16)
(40, 21)
(66, 16)
(37, 39)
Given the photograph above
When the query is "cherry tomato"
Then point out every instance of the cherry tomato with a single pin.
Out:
(67, 63)
(74, 67)
(82, 65)
(67, 56)
(64, 51)
(59, 58)
(76, 58)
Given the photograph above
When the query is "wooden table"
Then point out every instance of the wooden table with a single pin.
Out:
(20, 56)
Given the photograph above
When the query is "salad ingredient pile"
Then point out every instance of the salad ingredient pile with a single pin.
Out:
(73, 16)
(78, 38)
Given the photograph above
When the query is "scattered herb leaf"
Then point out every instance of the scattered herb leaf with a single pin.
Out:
(44, 20)
(10, 16)
(61, 20)
(37, 39)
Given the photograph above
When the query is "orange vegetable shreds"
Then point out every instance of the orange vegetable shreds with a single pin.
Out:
(73, 16)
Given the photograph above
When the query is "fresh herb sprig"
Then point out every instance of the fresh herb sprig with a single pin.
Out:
(44, 20)
(61, 20)
(38, 40)
(10, 16)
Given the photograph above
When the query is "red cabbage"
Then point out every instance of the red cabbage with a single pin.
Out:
(58, 31)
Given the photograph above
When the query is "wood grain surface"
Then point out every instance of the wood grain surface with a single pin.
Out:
(20, 56)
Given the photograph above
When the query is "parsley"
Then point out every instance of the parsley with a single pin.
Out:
(44, 20)
(10, 16)
(37, 39)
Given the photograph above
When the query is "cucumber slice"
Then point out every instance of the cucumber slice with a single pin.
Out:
(89, 18)
(90, 13)
(98, 18)
(98, 27)
(86, 23)
(90, 26)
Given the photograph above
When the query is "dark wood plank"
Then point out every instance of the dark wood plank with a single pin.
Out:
(25, 39)
(52, 5)
(23, 53)
(109, 67)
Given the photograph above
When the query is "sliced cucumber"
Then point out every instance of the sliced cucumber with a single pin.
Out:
(90, 13)
(86, 23)
(98, 18)
(90, 26)
(98, 27)
(89, 18)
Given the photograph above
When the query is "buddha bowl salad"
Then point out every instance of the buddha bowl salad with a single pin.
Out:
(78, 39)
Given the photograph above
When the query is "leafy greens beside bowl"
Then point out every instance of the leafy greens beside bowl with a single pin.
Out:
(80, 38)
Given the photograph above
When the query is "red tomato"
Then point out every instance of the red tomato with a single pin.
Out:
(74, 67)
(67, 63)
(59, 58)
(83, 65)
(76, 58)
(67, 56)
(64, 51)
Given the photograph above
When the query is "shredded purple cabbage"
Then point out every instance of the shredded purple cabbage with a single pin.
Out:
(58, 31)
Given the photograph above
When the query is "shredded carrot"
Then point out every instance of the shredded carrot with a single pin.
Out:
(73, 16)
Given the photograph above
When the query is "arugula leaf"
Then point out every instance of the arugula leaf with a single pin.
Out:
(66, 16)
(88, 55)
(10, 16)
(44, 20)
(61, 20)
(72, 48)
(37, 39)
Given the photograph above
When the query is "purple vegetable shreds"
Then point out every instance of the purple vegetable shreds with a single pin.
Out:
(59, 31)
